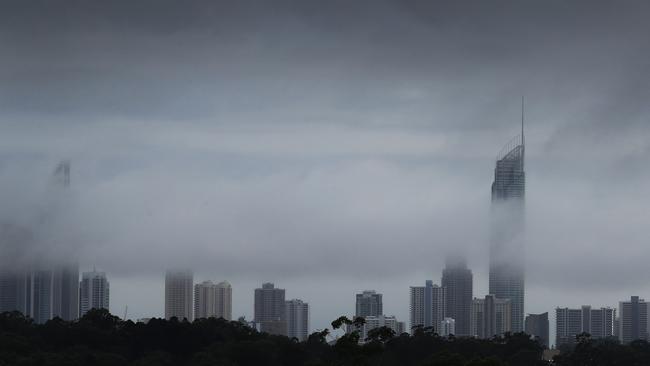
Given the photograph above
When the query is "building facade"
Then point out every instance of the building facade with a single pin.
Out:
(599, 323)
(213, 300)
(457, 280)
(94, 292)
(506, 277)
(633, 320)
(374, 322)
(369, 303)
(447, 327)
(178, 295)
(297, 317)
(223, 303)
(490, 317)
(427, 306)
(537, 326)
(270, 309)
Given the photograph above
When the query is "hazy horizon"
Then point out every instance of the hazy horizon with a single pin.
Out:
(328, 147)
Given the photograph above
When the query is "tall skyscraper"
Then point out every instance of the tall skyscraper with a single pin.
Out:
(599, 323)
(537, 326)
(602, 322)
(633, 320)
(65, 294)
(223, 303)
(212, 300)
(94, 292)
(42, 296)
(428, 305)
(16, 291)
(297, 317)
(15, 269)
(457, 279)
(270, 309)
(506, 278)
(490, 317)
(369, 303)
(178, 295)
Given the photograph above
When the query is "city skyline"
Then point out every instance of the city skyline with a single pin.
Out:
(328, 147)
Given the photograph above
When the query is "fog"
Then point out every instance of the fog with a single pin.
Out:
(329, 147)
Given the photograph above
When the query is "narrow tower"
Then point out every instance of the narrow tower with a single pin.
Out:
(507, 237)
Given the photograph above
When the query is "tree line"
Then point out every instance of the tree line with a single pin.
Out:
(102, 339)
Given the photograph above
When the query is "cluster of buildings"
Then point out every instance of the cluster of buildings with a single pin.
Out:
(448, 308)
(630, 324)
(58, 292)
(273, 313)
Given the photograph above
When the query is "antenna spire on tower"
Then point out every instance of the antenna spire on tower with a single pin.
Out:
(522, 120)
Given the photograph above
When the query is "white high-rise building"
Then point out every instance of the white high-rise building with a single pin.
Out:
(93, 292)
(447, 327)
(178, 295)
(297, 317)
(223, 303)
(212, 300)
(374, 322)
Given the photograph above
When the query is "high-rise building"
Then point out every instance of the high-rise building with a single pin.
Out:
(568, 324)
(490, 317)
(42, 296)
(447, 327)
(602, 322)
(297, 317)
(15, 275)
(457, 280)
(223, 303)
(213, 300)
(537, 326)
(65, 293)
(16, 291)
(369, 303)
(94, 292)
(270, 309)
(204, 300)
(178, 295)
(506, 278)
(633, 320)
(599, 323)
(374, 322)
(428, 306)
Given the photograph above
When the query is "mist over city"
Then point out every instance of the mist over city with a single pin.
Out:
(328, 147)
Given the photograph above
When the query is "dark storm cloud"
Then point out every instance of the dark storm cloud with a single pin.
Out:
(312, 140)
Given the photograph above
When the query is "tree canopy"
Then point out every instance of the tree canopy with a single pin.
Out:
(100, 338)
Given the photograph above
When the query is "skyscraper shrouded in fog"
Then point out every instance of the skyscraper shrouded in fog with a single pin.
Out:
(427, 305)
(270, 309)
(369, 303)
(94, 292)
(457, 280)
(506, 278)
(178, 295)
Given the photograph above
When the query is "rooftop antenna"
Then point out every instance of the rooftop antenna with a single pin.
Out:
(522, 120)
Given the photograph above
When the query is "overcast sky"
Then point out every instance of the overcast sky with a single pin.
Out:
(327, 146)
